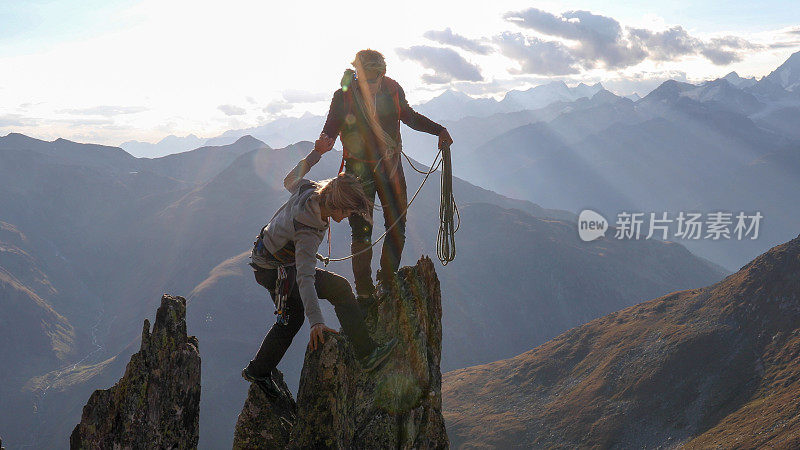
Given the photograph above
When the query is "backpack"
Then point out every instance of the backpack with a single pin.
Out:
(348, 80)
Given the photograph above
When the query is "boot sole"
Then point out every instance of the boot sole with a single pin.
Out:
(261, 385)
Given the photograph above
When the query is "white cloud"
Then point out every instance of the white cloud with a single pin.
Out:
(75, 123)
(17, 120)
(277, 106)
(447, 37)
(536, 56)
(232, 110)
(446, 63)
(104, 110)
(597, 39)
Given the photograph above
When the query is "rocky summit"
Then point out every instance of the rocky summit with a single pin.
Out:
(156, 404)
(339, 406)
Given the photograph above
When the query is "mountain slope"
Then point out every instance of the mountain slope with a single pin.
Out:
(48, 338)
(62, 151)
(590, 113)
(279, 132)
(711, 367)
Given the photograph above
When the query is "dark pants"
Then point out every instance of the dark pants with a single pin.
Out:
(330, 286)
(389, 182)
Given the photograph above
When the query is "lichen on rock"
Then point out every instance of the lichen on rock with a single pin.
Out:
(339, 406)
(156, 403)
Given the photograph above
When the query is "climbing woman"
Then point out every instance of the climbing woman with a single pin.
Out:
(284, 262)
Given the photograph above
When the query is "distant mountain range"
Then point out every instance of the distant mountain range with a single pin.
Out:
(715, 367)
(716, 146)
(450, 105)
(92, 236)
(169, 145)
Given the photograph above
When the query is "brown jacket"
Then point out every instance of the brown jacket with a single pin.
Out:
(346, 120)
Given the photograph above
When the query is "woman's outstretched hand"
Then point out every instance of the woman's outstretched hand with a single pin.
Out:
(316, 335)
(444, 139)
(324, 143)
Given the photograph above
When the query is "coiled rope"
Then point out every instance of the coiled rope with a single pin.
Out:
(446, 239)
(448, 211)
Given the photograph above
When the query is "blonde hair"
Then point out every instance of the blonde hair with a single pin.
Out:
(370, 61)
(344, 192)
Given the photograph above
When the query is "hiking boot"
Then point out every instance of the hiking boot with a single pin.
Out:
(265, 383)
(375, 359)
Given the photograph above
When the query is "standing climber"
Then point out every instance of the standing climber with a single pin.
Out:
(284, 262)
(366, 113)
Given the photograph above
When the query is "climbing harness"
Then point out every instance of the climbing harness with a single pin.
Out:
(445, 241)
(283, 283)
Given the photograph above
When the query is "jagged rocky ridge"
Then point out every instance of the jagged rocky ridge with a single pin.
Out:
(156, 404)
(338, 406)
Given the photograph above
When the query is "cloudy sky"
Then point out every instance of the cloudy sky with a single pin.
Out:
(108, 71)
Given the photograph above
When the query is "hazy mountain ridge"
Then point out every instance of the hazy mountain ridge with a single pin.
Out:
(166, 146)
(201, 164)
(448, 106)
(451, 105)
(65, 152)
(770, 99)
(680, 148)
